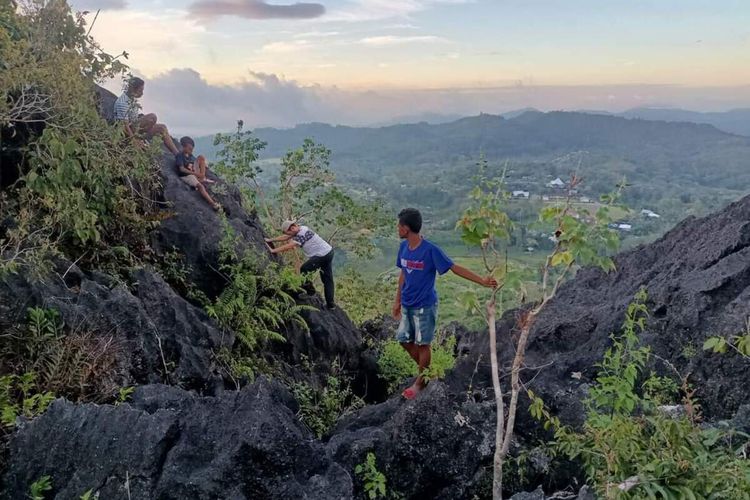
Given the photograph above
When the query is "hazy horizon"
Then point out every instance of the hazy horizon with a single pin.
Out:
(360, 62)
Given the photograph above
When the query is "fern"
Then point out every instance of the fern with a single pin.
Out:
(256, 304)
(40, 487)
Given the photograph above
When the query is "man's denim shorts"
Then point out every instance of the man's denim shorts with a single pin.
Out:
(417, 325)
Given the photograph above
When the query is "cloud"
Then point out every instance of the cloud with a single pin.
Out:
(94, 5)
(256, 9)
(317, 34)
(370, 10)
(188, 104)
(149, 37)
(285, 47)
(387, 40)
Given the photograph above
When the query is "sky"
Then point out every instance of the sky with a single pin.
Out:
(208, 63)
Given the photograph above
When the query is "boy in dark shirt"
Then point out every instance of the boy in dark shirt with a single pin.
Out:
(416, 299)
(192, 170)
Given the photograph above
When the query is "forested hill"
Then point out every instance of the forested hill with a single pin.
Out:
(532, 132)
(697, 154)
(735, 121)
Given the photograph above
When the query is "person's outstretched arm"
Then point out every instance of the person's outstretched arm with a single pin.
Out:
(466, 274)
(283, 237)
(284, 248)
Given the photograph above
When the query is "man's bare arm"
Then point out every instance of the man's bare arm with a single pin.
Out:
(283, 237)
(397, 303)
(128, 129)
(488, 281)
(284, 248)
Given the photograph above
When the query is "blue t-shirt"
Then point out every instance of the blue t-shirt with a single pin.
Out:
(419, 267)
(184, 160)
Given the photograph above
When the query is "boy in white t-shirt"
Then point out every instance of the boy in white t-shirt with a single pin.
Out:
(318, 252)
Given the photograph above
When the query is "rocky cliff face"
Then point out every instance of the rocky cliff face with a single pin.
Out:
(184, 435)
(250, 444)
(698, 281)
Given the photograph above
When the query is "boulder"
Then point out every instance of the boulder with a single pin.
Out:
(158, 335)
(698, 280)
(437, 446)
(171, 444)
(193, 228)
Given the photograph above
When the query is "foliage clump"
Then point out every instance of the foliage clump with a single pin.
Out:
(364, 299)
(374, 482)
(80, 190)
(256, 304)
(395, 365)
(321, 408)
(631, 447)
(306, 187)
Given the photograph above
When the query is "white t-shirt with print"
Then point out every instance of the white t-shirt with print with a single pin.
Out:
(312, 244)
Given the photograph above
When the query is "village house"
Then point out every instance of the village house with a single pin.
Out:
(556, 184)
(650, 214)
(521, 194)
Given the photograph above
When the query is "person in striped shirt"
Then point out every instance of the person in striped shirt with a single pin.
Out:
(317, 250)
(137, 125)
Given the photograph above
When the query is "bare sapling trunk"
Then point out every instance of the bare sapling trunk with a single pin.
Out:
(515, 380)
(497, 478)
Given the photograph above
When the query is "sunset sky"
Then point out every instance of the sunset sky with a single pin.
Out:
(366, 61)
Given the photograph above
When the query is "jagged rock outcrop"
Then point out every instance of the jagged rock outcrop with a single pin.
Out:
(172, 444)
(698, 281)
(433, 447)
(193, 228)
(159, 336)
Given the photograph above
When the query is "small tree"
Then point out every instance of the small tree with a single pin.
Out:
(307, 187)
(237, 163)
(581, 239)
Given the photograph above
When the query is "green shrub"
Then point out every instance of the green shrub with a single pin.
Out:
(395, 364)
(20, 396)
(40, 487)
(363, 299)
(71, 362)
(172, 267)
(631, 449)
(256, 303)
(239, 367)
(85, 191)
(320, 409)
(373, 481)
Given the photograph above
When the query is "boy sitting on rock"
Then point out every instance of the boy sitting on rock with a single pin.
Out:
(192, 170)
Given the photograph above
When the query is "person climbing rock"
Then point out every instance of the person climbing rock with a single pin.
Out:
(192, 170)
(138, 125)
(416, 304)
(318, 252)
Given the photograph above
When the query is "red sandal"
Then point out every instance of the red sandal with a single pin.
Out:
(409, 393)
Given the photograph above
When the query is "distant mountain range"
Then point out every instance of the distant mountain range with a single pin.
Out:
(700, 154)
(736, 121)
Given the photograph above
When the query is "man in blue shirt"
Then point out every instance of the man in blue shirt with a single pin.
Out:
(416, 299)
